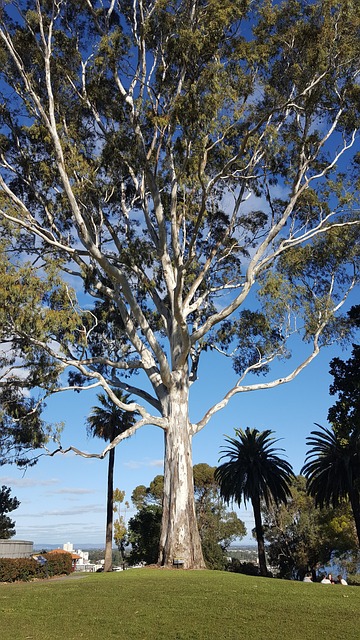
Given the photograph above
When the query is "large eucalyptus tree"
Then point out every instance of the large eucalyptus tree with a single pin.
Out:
(187, 164)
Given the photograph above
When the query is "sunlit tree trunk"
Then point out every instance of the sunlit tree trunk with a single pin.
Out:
(180, 537)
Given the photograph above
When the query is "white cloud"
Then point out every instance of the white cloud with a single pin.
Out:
(55, 513)
(156, 463)
(138, 464)
(71, 491)
(63, 531)
(27, 482)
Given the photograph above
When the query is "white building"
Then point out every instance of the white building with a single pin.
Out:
(82, 561)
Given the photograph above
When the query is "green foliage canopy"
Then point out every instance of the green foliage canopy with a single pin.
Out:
(344, 415)
(332, 469)
(144, 534)
(301, 536)
(7, 504)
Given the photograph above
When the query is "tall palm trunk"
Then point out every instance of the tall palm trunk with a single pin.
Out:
(255, 501)
(106, 422)
(109, 513)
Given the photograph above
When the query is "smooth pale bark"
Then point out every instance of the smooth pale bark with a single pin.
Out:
(180, 537)
(109, 513)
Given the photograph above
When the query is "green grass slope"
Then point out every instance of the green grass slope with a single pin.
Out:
(151, 604)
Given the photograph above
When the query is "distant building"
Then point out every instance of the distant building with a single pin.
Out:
(81, 559)
(74, 556)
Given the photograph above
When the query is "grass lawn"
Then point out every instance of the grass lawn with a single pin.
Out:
(152, 604)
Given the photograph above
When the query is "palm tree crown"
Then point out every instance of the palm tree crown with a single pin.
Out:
(253, 468)
(254, 472)
(108, 421)
(332, 469)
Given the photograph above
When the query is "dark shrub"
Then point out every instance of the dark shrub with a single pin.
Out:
(58, 563)
(247, 568)
(12, 569)
(213, 555)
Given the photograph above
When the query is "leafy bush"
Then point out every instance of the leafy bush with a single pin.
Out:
(24, 569)
(144, 534)
(17, 569)
(247, 568)
(354, 579)
(57, 563)
(213, 555)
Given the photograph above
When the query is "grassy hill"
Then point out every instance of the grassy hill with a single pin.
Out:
(151, 604)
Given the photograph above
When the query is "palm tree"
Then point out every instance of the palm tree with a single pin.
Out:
(332, 469)
(107, 422)
(253, 472)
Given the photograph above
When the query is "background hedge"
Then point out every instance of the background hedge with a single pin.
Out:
(27, 568)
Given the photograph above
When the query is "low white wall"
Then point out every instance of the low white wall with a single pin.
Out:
(15, 548)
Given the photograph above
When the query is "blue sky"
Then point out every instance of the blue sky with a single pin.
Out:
(63, 498)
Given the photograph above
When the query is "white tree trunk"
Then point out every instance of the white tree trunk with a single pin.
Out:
(180, 538)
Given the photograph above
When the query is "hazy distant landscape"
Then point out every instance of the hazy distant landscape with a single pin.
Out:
(243, 552)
